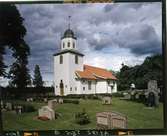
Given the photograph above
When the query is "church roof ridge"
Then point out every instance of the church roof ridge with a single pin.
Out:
(85, 65)
(91, 72)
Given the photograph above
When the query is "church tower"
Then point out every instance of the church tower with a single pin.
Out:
(66, 62)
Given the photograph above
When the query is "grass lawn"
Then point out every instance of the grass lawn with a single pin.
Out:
(138, 116)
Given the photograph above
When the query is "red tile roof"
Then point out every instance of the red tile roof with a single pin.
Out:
(93, 73)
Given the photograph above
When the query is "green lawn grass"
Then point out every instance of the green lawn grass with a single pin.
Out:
(137, 114)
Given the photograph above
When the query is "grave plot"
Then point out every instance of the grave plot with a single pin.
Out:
(110, 120)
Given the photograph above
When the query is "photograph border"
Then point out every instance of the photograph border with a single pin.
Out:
(162, 131)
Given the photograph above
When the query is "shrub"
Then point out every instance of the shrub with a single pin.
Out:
(82, 118)
(28, 108)
(71, 101)
(95, 97)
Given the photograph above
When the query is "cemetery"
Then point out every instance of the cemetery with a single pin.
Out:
(100, 112)
(134, 108)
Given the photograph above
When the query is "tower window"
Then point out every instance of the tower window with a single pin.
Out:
(68, 44)
(63, 44)
(61, 59)
(70, 88)
(83, 88)
(73, 44)
(89, 85)
(76, 59)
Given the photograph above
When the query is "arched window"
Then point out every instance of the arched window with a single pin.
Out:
(61, 59)
(89, 85)
(68, 44)
(63, 44)
(76, 59)
(73, 44)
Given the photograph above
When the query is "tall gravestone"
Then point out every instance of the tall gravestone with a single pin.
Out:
(153, 91)
(52, 103)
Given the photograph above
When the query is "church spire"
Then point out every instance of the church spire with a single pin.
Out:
(69, 17)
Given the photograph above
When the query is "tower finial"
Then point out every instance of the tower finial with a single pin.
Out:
(69, 17)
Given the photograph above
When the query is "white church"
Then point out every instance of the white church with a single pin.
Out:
(71, 76)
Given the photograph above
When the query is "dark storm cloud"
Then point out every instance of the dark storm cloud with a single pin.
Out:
(143, 39)
(109, 8)
(140, 39)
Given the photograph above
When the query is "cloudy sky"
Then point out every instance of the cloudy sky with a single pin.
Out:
(108, 34)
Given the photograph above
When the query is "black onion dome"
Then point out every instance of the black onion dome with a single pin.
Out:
(69, 34)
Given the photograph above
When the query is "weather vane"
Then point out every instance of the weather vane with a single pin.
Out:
(69, 17)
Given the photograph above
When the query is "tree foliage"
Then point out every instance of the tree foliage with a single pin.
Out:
(37, 81)
(19, 75)
(150, 69)
(12, 32)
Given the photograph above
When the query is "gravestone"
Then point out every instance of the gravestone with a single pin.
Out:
(152, 93)
(106, 100)
(2, 104)
(9, 106)
(45, 100)
(18, 109)
(29, 99)
(152, 85)
(137, 96)
(110, 120)
(60, 101)
(52, 103)
(46, 111)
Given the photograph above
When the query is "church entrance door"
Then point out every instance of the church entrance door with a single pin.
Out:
(61, 88)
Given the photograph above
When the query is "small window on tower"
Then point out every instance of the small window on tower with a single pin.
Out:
(63, 44)
(76, 59)
(61, 59)
(68, 44)
(73, 44)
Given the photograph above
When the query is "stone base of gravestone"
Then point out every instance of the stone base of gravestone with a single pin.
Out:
(46, 111)
(127, 96)
(152, 99)
(110, 120)
(106, 100)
